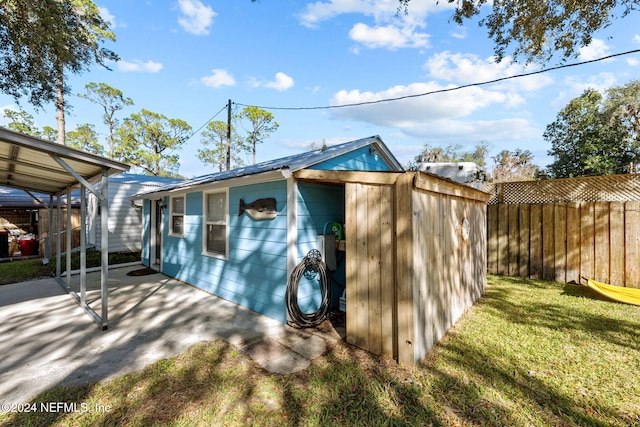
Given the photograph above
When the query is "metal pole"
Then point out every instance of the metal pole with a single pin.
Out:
(58, 236)
(68, 245)
(83, 246)
(104, 247)
(50, 237)
(229, 135)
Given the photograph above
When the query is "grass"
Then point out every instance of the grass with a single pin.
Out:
(529, 353)
(29, 269)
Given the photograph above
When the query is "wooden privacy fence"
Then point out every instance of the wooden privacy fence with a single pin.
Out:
(539, 234)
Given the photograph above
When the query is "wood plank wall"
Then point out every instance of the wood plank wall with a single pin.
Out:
(370, 267)
(449, 270)
(410, 273)
(44, 227)
(564, 241)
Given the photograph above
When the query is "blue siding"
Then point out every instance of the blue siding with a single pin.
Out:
(358, 160)
(317, 205)
(255, 273)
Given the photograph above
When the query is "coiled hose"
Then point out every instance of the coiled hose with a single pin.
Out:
(310, 267)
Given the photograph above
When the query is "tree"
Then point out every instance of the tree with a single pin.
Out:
(587, 140)
(622, 106)
(454, 153)
(150, 141)
(111, 100)
(538, 30)
(514, 166)
(215, 137)
(21, 121)
(85, 138)
(49, 133)
(41, 41)
(261, 125)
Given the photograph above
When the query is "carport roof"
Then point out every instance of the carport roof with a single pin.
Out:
(36, 164)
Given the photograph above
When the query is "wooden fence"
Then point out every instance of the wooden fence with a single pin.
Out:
(564, 241)
(45, 227)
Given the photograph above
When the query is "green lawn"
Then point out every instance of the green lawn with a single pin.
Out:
(29, 269)
(530, 353)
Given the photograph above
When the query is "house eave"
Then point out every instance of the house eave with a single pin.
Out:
(275, 175)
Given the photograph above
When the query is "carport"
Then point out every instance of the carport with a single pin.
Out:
(37, 165)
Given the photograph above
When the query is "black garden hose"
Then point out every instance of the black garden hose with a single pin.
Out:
(310, 267)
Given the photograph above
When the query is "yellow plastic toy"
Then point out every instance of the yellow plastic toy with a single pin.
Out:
(615, 293)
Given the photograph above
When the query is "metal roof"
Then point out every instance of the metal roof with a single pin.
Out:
(287, 164)
(35, 164)
(15, 198)
(145, 180)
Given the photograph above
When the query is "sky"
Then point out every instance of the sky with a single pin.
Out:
(185, 59)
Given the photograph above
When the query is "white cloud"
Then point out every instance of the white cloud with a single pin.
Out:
(107, 16)
(596, 49)
(461, 34)
(417, 109)
(195, 18)
(381, 10)
(636, 38)
(574, 87)
(388, 29)
(281, 83)
(319, 11)
(469, 68)
(388, 36)
(472, 131)
(454, 116)
(633, 62)
(139, 66)
(218, 78)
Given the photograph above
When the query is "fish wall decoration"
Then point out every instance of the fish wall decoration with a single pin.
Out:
(261, 209)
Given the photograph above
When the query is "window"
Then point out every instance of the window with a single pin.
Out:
(177, 216)
(215, 230)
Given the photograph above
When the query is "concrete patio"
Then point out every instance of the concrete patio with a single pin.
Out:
(47, 339)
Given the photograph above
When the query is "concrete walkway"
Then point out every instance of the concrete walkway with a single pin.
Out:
(47, 339)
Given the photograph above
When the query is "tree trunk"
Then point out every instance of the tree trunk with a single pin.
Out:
(60, 109)
(111, 143)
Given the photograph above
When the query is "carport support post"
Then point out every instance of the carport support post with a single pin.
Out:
(104, 243)
(49, 246)
(58, 237)
(83, 247)
(68, 245)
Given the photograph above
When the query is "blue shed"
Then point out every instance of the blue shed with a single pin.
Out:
(239, 234)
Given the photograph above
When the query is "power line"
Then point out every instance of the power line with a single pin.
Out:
(417, 95)
(206, 123)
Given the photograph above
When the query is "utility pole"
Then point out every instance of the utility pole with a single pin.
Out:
(229, 135)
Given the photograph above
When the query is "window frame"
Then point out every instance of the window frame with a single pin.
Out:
(173, 214)
(206, 222)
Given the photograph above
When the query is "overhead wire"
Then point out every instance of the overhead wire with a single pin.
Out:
(451, 89)
(418, 95)
(206, 123)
